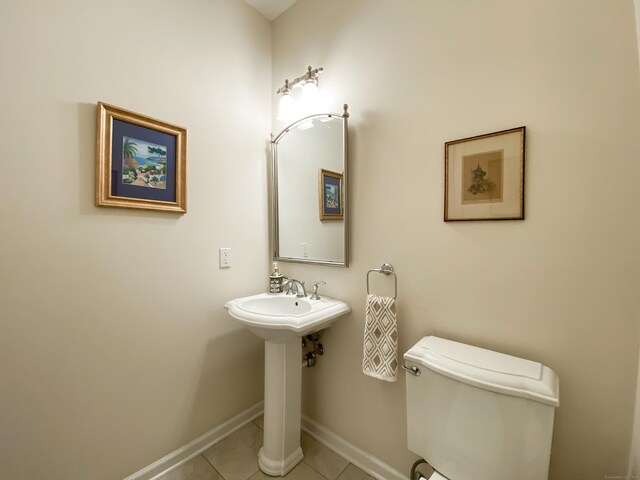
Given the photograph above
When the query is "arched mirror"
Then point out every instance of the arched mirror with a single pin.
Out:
(309, 191)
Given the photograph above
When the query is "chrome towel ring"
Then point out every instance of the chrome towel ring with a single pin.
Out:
(385, 269)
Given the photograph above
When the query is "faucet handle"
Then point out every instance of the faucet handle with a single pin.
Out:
(315, 295)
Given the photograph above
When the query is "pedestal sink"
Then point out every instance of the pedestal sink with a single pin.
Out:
(281, 320)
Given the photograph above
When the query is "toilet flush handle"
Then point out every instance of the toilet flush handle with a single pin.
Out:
(415, 371)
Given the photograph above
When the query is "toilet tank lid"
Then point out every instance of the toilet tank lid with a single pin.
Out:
(487, 369)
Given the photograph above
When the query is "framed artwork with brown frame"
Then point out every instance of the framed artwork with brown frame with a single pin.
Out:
(484, 177)
(141, 162)
(330, 195)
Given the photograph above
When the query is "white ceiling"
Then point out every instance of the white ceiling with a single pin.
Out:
(271, 9)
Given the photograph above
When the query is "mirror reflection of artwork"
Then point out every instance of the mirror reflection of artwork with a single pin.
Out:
(482, 177)
(330, 195)
(144, 164)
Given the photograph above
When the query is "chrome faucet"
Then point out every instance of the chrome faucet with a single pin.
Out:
(293, 284)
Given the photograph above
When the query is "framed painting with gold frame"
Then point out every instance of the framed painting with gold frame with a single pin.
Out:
(330, 195)
(484, 177)
(140, 162)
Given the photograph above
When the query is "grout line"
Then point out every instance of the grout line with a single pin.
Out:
(345, 468)
(321, 475)
(304, 460)
(211, 464)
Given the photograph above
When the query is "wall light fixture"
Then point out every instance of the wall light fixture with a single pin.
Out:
(289, 109)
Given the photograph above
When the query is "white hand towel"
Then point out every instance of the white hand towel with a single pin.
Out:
(380, 358)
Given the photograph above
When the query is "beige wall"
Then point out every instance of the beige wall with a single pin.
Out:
(636, 4)
(634, 457)
(560, 287)
(114, 346)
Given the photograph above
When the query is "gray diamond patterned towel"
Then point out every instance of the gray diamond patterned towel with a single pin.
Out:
(380, 358)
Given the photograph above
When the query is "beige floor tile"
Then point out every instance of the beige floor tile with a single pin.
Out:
(322, 459)
(354, 473)
(301, 472)
(236, 457)
(195, 469)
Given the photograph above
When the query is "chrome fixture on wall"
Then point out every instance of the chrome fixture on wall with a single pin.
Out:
(385, 269)
(288, 108)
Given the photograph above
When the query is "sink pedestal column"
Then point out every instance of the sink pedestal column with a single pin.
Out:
(281, 450)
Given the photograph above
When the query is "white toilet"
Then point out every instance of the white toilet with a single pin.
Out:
(474, 414)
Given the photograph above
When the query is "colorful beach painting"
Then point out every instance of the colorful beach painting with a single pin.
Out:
(331, 196)
(144, 164)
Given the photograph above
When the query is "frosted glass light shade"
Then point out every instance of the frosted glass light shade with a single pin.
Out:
(310, 98)
(287, 110)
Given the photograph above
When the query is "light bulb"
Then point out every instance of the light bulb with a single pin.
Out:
(287, 108)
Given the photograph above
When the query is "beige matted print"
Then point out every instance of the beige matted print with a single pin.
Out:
(484, 177)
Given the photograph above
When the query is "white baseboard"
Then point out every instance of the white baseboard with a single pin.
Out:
(361, 459)
(197, 446)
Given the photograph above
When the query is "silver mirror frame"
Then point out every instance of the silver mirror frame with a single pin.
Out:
(275, 238)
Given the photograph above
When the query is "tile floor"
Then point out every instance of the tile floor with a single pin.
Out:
(236, 458)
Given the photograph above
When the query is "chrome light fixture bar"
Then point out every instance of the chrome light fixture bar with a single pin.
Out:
(287, 109)
(311, 75)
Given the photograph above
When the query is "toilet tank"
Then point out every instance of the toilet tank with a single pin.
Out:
(475, 414)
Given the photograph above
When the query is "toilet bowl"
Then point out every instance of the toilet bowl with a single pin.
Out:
(475, 414)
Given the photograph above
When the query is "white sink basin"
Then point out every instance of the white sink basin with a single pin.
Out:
(280, 317)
